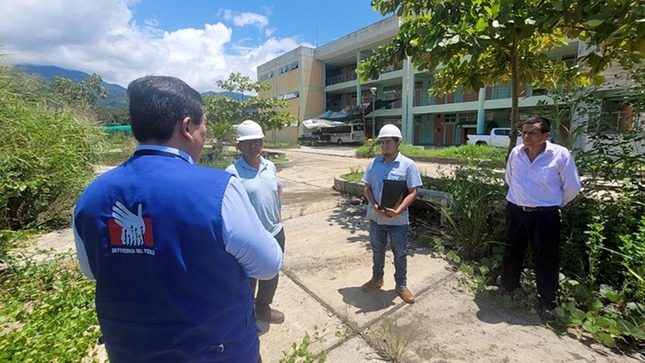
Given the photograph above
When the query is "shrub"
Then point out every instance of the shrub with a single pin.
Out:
(46, 159)
(47, 312)
(475, 220)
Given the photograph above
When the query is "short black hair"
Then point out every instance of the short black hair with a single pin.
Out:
(545, 123)
(157, 103)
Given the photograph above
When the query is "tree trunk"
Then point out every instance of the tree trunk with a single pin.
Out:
(515, 86)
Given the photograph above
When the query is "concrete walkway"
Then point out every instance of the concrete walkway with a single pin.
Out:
(328, 258)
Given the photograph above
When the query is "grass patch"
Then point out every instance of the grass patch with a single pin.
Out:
(280, 144)
(439, 184)
(467, 153)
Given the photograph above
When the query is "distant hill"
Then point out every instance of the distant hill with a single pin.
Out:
(117, 95)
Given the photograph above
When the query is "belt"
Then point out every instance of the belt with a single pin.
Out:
(535, 209)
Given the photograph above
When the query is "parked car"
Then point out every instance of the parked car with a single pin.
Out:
(499, 136)
(313, 138)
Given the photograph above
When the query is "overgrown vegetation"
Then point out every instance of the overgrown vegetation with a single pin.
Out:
(47, 156)
(494, 156)
(602, 250)
(47, 312)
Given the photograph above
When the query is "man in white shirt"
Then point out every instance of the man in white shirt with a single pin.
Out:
(542, 178)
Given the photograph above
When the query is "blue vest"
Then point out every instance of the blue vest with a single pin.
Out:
(166, 289)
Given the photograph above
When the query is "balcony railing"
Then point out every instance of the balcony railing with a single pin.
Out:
(346, 77)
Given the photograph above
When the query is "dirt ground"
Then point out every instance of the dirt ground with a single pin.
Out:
(328, 257)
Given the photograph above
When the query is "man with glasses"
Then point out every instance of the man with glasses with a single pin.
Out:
(390, 168)
(259, 177)
(542, 178)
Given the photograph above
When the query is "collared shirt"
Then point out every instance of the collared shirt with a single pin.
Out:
(263, 189)
(246, 241)
(550, 180)
(401, 168)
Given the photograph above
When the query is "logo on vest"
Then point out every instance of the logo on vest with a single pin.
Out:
(130, 233)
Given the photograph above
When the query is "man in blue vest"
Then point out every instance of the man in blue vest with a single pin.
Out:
(172, 245)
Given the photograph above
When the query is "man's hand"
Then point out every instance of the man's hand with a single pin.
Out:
(391, 212)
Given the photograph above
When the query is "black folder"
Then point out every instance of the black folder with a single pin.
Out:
(393, 193)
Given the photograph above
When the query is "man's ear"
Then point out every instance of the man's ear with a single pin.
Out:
(186, 129)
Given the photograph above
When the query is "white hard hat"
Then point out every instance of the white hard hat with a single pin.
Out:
(249, 130)
(389, 130)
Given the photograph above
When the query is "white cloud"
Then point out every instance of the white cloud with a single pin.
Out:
(101, 36)
(245, 19)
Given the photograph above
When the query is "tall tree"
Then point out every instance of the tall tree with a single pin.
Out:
(474, 43)
(80, 94)
(224, 111)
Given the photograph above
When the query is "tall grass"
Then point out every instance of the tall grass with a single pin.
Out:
(465, 153)
(47, 155)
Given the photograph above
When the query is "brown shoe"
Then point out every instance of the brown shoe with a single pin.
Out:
(372, 285)
(405, 294)
(271, 316)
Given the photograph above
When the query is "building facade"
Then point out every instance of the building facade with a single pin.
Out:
(316, 80)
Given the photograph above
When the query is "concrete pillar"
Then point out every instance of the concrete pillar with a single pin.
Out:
(481, 112)
(407, 102)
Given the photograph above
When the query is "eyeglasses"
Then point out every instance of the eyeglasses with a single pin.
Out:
(256, 142)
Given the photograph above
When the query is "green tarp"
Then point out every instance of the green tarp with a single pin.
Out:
(125, 128)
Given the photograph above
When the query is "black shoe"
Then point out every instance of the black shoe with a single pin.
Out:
(546, 315)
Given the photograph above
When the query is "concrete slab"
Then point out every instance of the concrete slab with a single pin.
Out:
(451, 324)
(303, 315)
(355, 350)
(336, 260)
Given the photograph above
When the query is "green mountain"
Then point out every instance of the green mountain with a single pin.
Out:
(116, 96)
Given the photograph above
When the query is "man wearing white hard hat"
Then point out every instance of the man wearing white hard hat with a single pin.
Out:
(391, 182)
(259, 177)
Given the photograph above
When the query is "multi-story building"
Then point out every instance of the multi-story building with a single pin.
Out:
(316, 80)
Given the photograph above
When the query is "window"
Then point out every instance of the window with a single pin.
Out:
(289, 67)
(450, 118)
(290, 95)
(265, 76)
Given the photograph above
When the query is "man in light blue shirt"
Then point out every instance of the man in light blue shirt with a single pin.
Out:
(259, 178)
(390, 220)
(542, 177)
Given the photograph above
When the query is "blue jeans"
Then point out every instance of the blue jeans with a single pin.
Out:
(399, 242)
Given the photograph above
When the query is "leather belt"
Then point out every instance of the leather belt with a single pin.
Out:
(536, 209)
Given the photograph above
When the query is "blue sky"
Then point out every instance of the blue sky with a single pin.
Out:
(199, 41)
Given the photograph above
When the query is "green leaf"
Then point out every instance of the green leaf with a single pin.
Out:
(481, 25)
(609, 293)
(624, 327)
(605, 339)
(594, 22)
(589, 326)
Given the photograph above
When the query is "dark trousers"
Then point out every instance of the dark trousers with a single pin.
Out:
(267, 288)
(539, 230)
